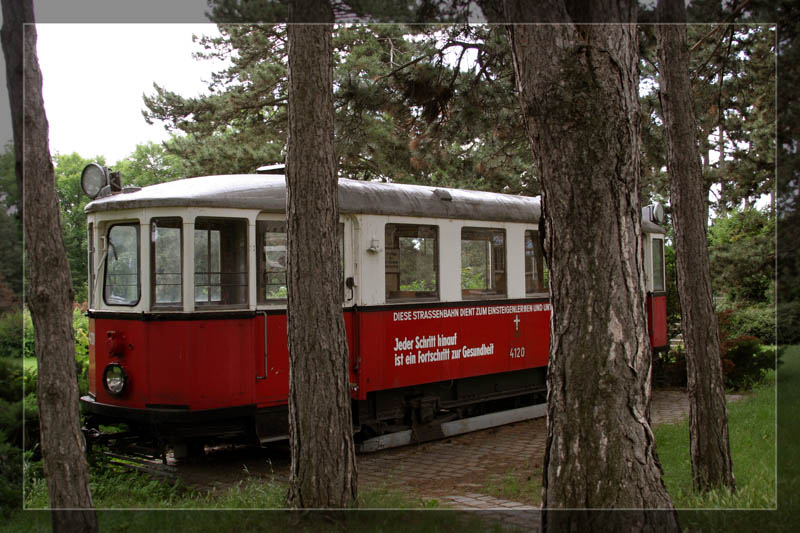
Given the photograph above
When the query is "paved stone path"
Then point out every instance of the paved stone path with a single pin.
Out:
(435, 469)
(451, 471)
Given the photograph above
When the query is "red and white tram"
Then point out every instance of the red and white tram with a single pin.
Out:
(445, 305)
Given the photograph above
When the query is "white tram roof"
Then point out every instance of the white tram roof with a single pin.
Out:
(267, 192)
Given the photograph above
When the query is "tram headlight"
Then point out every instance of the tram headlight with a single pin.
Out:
(93, 178)
(114, 379)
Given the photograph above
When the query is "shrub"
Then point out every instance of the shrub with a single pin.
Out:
(753, 321)
(10, 379)
(10, 434)
(16, 334)
(671, 367)
(13, 436)
(11, 334)
(744, 359)
(31, 434)
(11, 402)
(80, 325)
(28, 337)
(10, 477)
(744, 362)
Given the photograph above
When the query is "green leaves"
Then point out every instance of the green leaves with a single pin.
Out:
(422, 104)
(733, 76)
(742, 254)
(150, 163)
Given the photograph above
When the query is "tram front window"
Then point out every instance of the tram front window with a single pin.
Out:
(121, 285)
(166, 261)
(220, 261)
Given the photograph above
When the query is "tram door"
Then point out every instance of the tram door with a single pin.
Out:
(271, 356)
(270, 350)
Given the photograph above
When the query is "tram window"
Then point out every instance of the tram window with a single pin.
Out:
(658, 265)
(537, 277)
(272, 255)
(166, 261)
(220, 261)
(271, 249)
(121, 285)
(411, 261)
(483, 264)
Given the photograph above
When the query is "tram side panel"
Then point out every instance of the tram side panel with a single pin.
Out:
(407, 347)
(208, 364)
(272, 381)
(657, 320)
(272, 386)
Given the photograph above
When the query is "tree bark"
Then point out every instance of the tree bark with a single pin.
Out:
(578, 91)
(50, 288)
(323, 467)
(15, 14)
(708, 417)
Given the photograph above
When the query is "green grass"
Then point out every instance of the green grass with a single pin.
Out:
(752, 431)
(254, 505)
(752, 428)
(386, 497)
(522, 485)
(29, 363)
(143, 504)
(787, 515)
(113, 488)
(278, 520)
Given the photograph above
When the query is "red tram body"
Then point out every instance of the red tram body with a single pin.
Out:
(445, 305)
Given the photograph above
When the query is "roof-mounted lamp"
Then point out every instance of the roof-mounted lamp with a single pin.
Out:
(653, 213)
(98, 181)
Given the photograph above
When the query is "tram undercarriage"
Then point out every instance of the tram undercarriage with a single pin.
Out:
(386, 419)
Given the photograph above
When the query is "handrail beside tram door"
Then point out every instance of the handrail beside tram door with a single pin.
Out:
(266, 370)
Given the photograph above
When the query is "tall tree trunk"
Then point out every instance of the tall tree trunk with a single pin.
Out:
(15, 14)
(323, 468)
(578, 91)
(708, 417)
(50, 290)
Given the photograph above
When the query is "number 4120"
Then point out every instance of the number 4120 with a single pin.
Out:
(517, 352)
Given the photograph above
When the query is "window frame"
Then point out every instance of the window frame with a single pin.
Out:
(261, 262)
(106, 261)
(211, 221)
(90, 290)
(426, 296)
(537, 260)
(662, 266)
(153, 274)
(485, 294)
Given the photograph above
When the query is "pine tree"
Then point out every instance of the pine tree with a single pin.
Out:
(578, 87)
(419, 104)
(712, 466)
